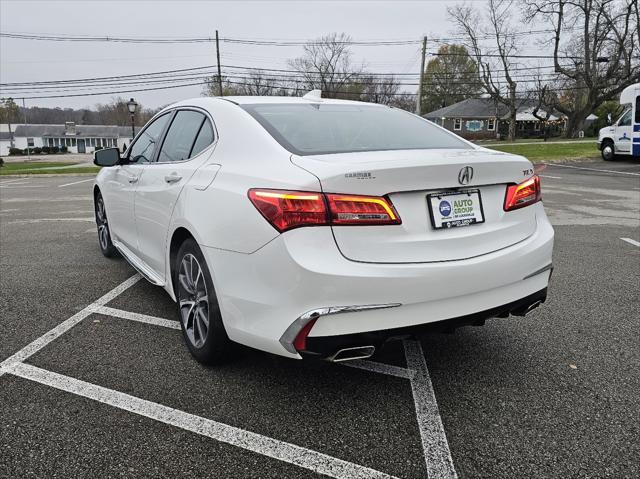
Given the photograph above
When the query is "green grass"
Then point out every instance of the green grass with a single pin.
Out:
(30, 168)
(551, 151)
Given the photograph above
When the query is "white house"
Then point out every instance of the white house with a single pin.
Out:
(77, 138)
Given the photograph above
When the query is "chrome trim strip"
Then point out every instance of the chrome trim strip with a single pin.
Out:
(294, 328)
(541, 270)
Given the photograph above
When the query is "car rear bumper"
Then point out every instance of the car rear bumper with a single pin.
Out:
(262, 294)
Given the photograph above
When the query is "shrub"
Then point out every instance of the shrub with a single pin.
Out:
(63, 149)
(37, 150)
(1, 162)
(15, 151)
(45, 149)
(54, 149)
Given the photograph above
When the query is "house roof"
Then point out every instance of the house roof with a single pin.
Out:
(5, 135)
(82, 131)
(486, 108)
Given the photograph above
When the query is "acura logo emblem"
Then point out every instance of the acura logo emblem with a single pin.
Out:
(465, 176)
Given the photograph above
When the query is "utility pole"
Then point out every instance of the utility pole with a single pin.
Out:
(421, 86)
(218, 57)
(24, 111)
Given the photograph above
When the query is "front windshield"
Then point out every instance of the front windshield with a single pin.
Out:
(315, 128)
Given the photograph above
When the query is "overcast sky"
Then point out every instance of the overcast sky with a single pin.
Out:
(28, 60)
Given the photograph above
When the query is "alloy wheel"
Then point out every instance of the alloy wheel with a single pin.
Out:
(193, 300)
(103, 224)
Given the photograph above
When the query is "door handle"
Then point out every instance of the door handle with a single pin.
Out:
(133, 179)
(172, 178)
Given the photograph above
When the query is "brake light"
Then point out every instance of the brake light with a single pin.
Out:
(361, 210)
(524, 194)
(286, 210)
(290, 209)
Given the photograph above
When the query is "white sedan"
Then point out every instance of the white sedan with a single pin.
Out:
(310, 227)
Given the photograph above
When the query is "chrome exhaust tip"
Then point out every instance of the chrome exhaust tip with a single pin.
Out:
(526, 310)
(350, 354)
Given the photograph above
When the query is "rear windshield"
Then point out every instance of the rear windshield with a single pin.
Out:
(315, 129)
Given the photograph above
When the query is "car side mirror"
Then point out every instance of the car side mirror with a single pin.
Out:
(106, 157)
(609, 120)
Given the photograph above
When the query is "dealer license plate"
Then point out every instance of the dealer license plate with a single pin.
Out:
(454, 209)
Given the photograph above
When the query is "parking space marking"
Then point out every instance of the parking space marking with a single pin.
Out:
(631, 241)
(12, 181)
(266, 446)
(43, 220)
(434, 441)
(381, 368)
(549, 176)
(594, 169)
(75, 183)
(39, 343)
(141, 318)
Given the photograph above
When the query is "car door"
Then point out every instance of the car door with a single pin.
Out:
(124, 182)
(184, 150)
(624, 133)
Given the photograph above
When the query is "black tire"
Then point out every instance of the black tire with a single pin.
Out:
(608, 151)
(210, 347)
(102, 223)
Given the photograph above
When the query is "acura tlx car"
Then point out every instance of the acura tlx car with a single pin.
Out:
(311, 227)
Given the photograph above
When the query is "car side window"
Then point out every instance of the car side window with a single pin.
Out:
(204, 139)
(626, 119)
(637, 120)
(143, 149)
(181, 136)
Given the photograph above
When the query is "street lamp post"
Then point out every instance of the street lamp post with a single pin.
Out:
(132, 106)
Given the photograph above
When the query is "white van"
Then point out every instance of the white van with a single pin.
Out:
(623, 137)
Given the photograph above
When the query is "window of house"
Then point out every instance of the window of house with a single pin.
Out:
(457, 124)
(99, 142)
(50, 141)
(491, 124)
(73, 142)
(536, 126)
(30, 142)
(56, 141)
(521, 125)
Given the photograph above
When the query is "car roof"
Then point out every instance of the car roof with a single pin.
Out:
(252, 100)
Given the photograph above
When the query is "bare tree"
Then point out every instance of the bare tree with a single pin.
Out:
(494, 64)
(595, 63)
(326, 65)
(254, 82)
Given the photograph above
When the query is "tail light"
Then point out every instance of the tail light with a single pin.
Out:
(357, 210)
(286, 210)
(524, 194)
(300, 343)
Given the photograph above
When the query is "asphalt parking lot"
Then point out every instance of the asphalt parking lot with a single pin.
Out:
(95, 380)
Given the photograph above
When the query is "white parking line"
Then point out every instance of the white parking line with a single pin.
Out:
(381, 368)
(631, 241)
(141, 318)
(44, 220)
(434, 440)
(266, 446)
(66, 325)
(549, 176)
(12, 181)
(75, 183)
(594, 169)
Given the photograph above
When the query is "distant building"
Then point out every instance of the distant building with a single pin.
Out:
(482, 118)
(77, 138)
